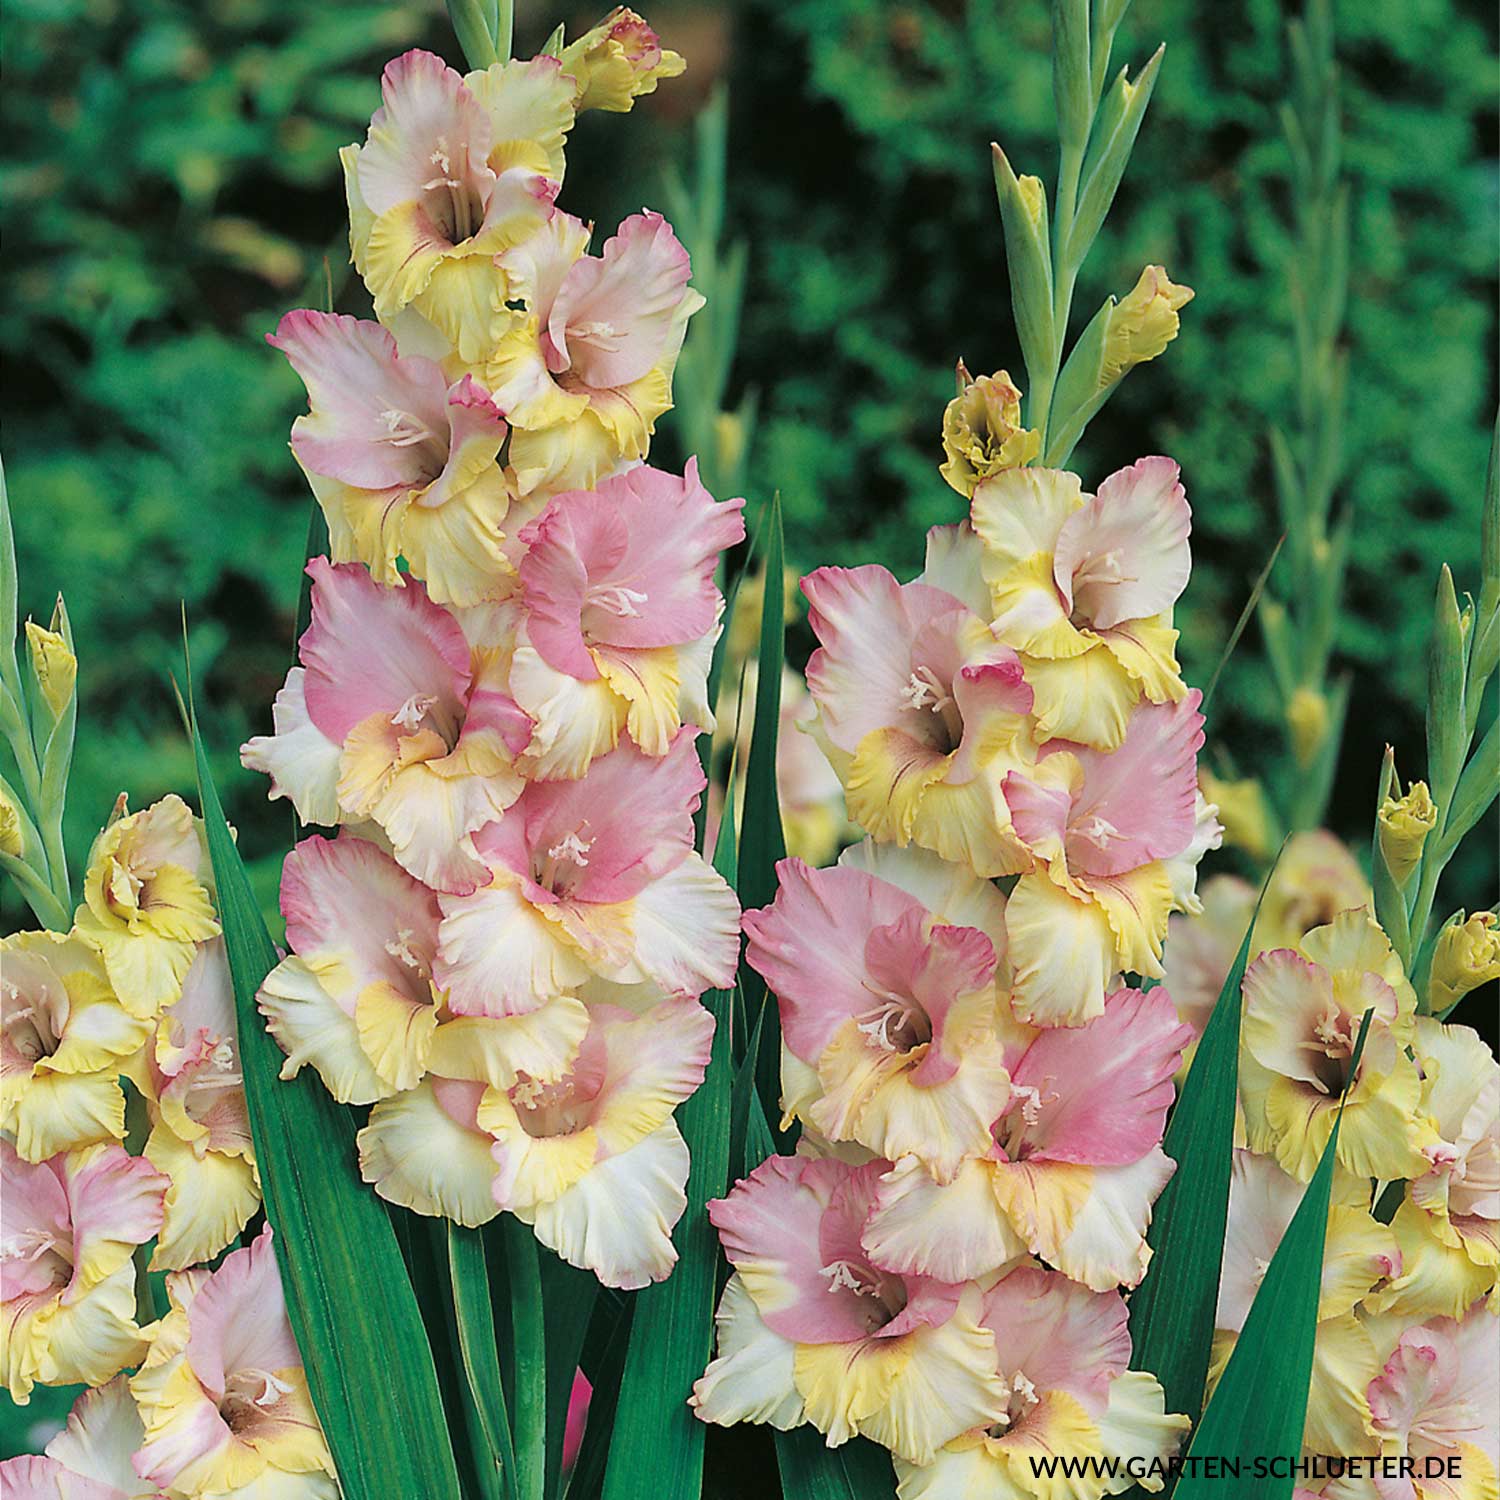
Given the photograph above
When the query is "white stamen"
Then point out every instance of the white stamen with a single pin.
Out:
(616, 599)
(402, 430)
(400, 948)
(573, 849)
(28, 1245)
(601, 335)
(411, 713)
(878, 1022)
(1098, 831)
(221, 1055)
(1030, 1099)
(923, 690)
(841, 1277)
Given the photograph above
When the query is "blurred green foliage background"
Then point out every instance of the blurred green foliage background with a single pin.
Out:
(170, 186)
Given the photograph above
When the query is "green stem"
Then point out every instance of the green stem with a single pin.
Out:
(1064, 275)
(50, 912)
(505, 25)
(18, 734)
(529, 1333)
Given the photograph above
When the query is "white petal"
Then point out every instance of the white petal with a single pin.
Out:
(751, 1380)
(617, 1220)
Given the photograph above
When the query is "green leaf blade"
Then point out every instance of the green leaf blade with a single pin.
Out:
(369, 1365)
(1172, 1311)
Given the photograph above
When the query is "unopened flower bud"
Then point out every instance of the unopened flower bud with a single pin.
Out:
(1466, 955)
(1142, 323)
(982, 431)
(1404, 823)
(1307, 718)
(617, 61)
(11, 841)
(54, 665)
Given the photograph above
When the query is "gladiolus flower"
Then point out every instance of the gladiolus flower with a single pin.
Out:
(1242, 810)
(1063, 1355)
(1436, 1407)
(1403, 825)
(592, 877)
(145, 909)
(982, 432)
(1460, 1190)
(1083, 587)
(402, 463)
(1074, 1161)
(617, 61)
(809, 1330)
(396, 717)
(1142, 323)
(888, 1016)
(1104, 829)
(621, 614)
(200, 1134)
(591, 1159)
(1302, 1016)
(1466, 955)
(66, 1276)
(453, 172)
(587, 370)
(64, 1039)
(921, 711)
(90, 1459)
(356, 999)
(222, 1394)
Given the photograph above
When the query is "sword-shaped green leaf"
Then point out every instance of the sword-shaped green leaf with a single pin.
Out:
(1259, 1406)
(352, 1309)
(1172, 1311)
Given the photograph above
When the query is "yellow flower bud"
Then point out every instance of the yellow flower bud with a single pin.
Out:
(1242, 811)
(1404, 824)
(1307, 718)
(617, 62)
(1033, 199)
(1466, 955)
(982, 431)
(1142, 324)
(55, 666)
(11, 842)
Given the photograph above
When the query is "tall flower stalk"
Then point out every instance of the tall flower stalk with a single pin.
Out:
(1299, 611)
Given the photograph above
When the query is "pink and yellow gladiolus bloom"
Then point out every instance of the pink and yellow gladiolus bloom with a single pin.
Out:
(67, 1279)
(399, 716)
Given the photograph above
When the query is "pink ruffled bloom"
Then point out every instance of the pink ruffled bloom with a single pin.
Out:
(810, 1330)
(922, 712)
(402, 461)
(1438, 1399)
(595, 877)
(222, 1395)
(1104, 829)
(621, 613)
(67, 1280)
(888, 1016)
(1075, 1160)
(396, 717)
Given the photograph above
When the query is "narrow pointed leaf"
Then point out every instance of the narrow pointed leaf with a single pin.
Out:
(474, 1317)
(1172, 1311)
(657, 1443)
(1239, 625)
(762, 840)
(1260, 1404)
(355, 1317)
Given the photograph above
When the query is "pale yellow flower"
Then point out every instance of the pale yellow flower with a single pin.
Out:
(1467, 955)
(982, 431)
(1142, 323)
(1404, 823)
